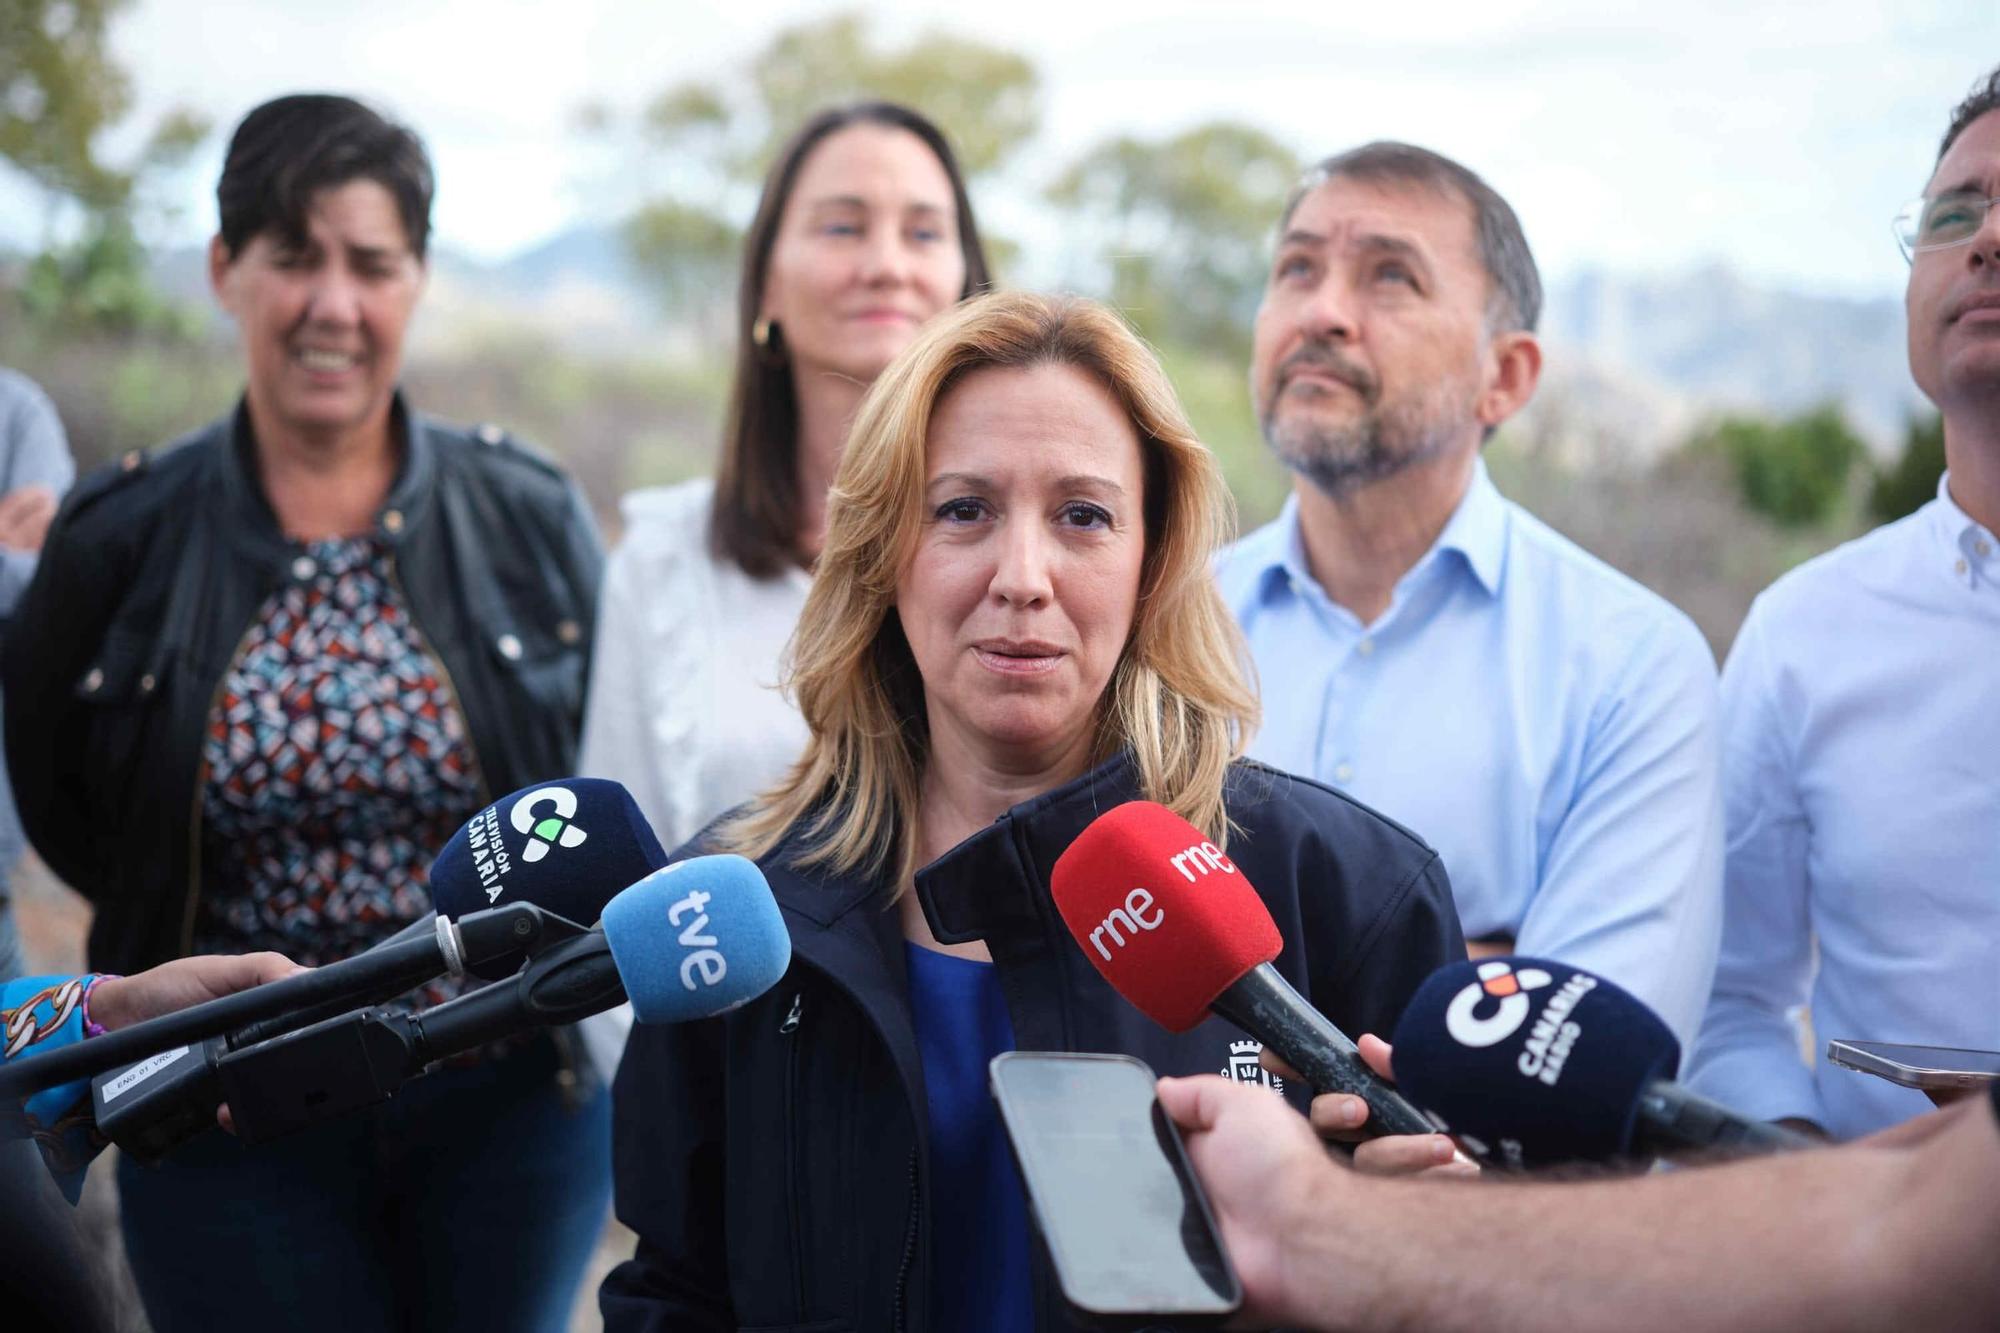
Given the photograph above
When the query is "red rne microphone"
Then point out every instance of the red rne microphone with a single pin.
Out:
(1161, 912)
(1177, 929)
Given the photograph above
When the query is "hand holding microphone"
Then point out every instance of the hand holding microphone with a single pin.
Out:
(691, 941)
(1173, 925)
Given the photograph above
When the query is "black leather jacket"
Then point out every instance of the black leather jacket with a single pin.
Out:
(150, 577)
(774, 1162)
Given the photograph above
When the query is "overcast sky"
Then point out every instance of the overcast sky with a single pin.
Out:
(1633, 134)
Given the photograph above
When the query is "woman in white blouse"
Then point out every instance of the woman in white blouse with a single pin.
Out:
(863, 233)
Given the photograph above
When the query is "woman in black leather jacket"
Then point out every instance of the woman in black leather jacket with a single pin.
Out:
(1012, 629)
(261, 676)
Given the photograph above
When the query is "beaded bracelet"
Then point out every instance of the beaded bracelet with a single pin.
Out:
(92, 1028)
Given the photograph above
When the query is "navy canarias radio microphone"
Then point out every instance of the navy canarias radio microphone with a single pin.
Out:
(1538, 1063)
(566, 846)
(693, 940)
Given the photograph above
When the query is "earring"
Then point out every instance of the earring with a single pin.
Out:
(760, 332)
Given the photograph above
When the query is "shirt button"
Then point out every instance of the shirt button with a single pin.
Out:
(304, 568)
(509, 646)
(392, 520)
(1958, 568)
(1982, 547)
(146, 683)
(94, 682)
(569, 631)
(1365, 647)
(1343, 773)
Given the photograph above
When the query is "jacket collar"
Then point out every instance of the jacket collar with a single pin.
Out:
(996, 881)
(256, 524)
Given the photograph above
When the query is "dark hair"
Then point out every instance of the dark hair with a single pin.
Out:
(290, 148)
(1510, 266)
(755, 518)
(1984, 97)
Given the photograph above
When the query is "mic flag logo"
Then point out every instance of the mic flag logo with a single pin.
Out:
(1497, 981)
(1245, 1067)
(553, 830)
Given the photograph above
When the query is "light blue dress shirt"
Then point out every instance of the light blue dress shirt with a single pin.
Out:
(1544, 722)
(1861, 774)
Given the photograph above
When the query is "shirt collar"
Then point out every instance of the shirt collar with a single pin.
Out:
(1971, 549)
(1477, 530)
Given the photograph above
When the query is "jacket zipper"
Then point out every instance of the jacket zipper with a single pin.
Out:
(909, 1252)
(194, 808)
(789, 1030)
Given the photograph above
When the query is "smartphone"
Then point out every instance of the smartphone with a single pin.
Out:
(1125, 1224)
(1940, 1068)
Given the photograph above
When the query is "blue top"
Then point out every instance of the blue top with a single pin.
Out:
(1543, 721)
(981, 1279)
(1861, 770)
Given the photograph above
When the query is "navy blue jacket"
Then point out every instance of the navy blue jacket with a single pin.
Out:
(772, 1161)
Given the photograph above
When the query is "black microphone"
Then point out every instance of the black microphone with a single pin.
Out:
(154, 1105)
(1538, 1063)
(691, 941)
(449, 947)
(564, 846)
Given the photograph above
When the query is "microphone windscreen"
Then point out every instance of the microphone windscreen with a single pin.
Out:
(1166, 917)
(697, 939)
(565, 846)
(1536, 1061)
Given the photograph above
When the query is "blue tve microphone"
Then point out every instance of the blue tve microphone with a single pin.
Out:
(1537, 1063)
(566, 846)
(699, 937)
(692, 941)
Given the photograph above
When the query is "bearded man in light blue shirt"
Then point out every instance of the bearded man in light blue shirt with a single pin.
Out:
(1426, 645)
(1861, 721)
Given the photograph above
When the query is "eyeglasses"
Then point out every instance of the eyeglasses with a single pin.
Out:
(1940, 223)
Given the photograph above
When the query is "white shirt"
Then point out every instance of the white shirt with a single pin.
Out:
(684, 705)
(1861, 773)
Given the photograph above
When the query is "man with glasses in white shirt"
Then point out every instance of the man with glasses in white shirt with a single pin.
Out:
(1861, 722)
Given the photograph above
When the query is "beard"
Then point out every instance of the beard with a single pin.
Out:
(1390, 435)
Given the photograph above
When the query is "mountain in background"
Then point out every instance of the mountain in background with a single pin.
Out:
(1711, 342)
(1633, 362)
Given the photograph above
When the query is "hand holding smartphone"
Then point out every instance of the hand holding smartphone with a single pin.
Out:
(1124, 1221)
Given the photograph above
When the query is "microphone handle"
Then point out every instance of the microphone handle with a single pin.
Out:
(358, 1059)
(1672, 1119)
(1266, 1006)
(562, 984)
(403, 965)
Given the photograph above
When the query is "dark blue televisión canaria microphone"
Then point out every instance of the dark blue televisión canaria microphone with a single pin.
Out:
(1538, 1063)
(691, 941)
(566, 846)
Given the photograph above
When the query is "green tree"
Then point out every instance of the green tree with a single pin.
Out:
(60, 90)
(705, 144)
(1794, 470)
(1184, 224)
(1912, 480)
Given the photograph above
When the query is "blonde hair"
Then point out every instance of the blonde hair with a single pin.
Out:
(1178, 700)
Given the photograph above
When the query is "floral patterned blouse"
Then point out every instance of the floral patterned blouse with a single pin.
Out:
(336, 765)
